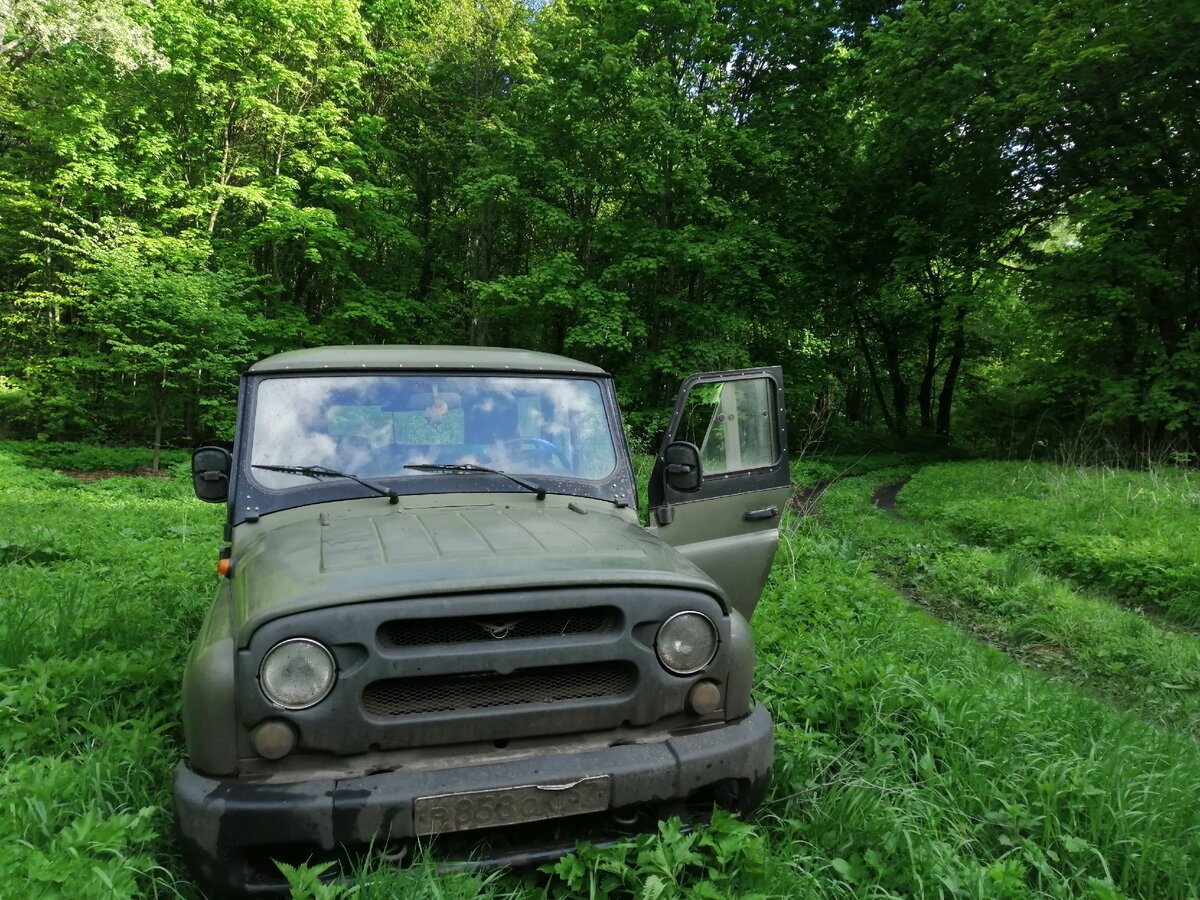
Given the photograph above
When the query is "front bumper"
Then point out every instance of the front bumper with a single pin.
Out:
(228, 826)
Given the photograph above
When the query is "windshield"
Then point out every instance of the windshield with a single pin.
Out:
(375, 425)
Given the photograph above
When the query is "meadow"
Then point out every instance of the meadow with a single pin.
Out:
(976, 693)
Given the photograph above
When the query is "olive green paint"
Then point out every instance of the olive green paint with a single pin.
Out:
(735, 553)
(362, 550)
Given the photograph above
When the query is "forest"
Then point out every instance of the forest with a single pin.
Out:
(973, 222)
(969, 231)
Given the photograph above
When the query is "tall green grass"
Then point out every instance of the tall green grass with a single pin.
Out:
(102, 587)
(1004, 597)
(911, 761)
(1134, 535)
(89, 458)
(914, 762)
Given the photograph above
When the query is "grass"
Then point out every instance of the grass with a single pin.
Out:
(1133, 535)
(103, 585)
(89, 458)
(1008, 599)
(931, 765)
(911, 760)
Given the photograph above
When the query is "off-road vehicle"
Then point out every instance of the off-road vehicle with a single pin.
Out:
(439, 614)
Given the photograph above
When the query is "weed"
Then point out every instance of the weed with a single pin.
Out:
(1005, 597)
(1132, 535)
(88, 458)
(914, 762)
(910, 761)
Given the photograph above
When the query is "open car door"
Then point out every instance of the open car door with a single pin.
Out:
(721, 478)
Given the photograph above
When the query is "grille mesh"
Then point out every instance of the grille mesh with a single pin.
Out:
(458, 630)
(481, 690)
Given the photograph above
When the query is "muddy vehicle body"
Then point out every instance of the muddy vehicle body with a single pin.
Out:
(440, 616)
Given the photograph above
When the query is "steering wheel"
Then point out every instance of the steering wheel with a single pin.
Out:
(539, 448)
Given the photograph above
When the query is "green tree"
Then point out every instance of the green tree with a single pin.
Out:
(158, 335)
(939, 201)
(114, 28)
(1114, 123)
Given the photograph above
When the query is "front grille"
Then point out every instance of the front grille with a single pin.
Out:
(460, 630)
(481, 690)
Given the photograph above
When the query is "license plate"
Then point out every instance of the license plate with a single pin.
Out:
(465, 810)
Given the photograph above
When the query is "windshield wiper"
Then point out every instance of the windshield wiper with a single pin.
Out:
(471, 467)
(322, 472)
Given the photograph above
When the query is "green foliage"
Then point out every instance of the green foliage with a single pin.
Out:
(1114, 294)
(1006, 597)
(725, 859)
(88, 457)
(306, 882)
(1129, 534)
(913, 762)
(110, 27)
(88, 715)
(981, 214)
(909, 761)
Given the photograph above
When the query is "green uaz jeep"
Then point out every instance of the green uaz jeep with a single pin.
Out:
(440, 616)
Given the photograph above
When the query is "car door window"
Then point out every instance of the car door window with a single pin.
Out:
(734, 424)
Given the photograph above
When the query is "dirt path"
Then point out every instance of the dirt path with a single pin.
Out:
(805, 500)
(886, 497)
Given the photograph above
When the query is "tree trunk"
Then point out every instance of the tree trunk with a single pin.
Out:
(891, 353)
(860, 336)
(158, 409)
(855, 397)
(946, 397)
(425, 235)
(925, 394)
(481, 235)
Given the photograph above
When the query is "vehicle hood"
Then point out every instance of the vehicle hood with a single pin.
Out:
(332, 559)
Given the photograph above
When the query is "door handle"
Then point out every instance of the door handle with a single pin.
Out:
(757, 515)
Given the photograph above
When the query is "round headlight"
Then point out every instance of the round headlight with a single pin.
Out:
(686, 642)
(297, 673)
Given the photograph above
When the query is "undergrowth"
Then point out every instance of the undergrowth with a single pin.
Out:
(910, 761)
(1007, 599)
(930, 765)
(89, 458)
(103, 586)
(1133, 535)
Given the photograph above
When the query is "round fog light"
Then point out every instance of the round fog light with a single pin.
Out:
(273, 739)
(704, 698)
(686, 643)
(297, 673)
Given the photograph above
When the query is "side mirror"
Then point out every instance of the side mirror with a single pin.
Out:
(681, 466)
(210, 473)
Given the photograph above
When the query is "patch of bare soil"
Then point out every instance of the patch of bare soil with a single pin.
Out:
(1042, 655)
(886, 497)
(100, 475)
(805, 501)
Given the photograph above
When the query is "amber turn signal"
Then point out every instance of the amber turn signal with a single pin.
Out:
(704, 698)
(273, 738)
(224, 567)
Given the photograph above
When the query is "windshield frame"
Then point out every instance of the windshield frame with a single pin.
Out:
(250, 498)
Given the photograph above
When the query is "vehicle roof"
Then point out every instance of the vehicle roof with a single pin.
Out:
(415, 356)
